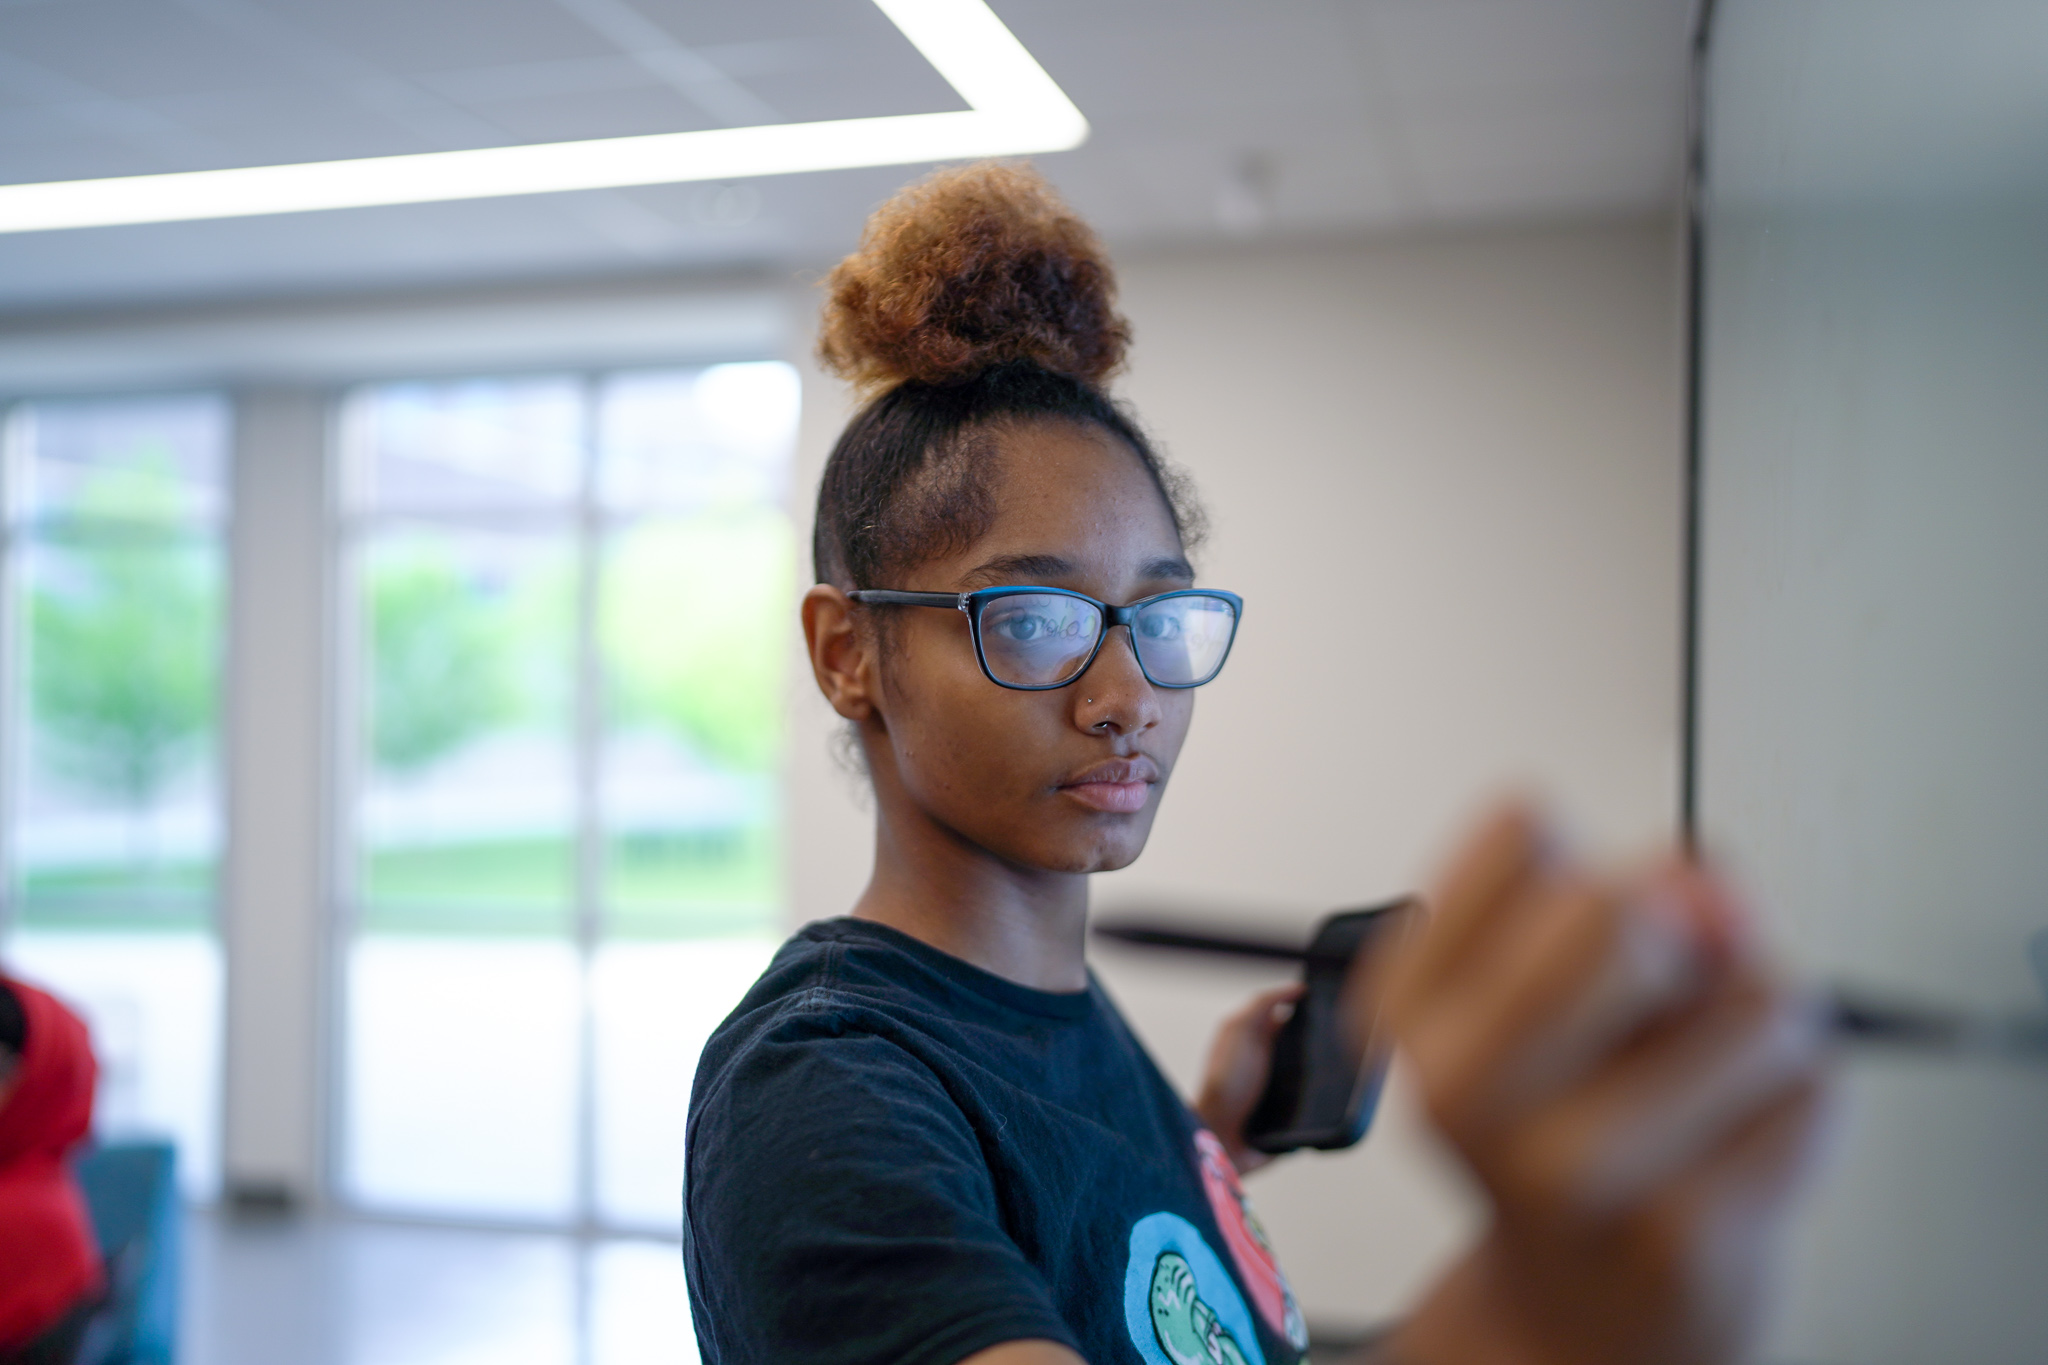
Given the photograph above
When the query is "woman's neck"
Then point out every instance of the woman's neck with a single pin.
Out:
(1026, 926)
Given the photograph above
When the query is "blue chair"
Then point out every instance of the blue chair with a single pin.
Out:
(131, 1189)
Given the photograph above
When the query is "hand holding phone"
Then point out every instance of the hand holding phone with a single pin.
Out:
(1328, 1064)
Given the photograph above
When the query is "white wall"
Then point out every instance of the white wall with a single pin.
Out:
(1444, 473)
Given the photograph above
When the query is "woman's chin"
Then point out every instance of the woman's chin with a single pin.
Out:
(1101, 855)
(1069, 841)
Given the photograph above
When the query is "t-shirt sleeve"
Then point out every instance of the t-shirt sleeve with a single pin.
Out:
(838, 1211)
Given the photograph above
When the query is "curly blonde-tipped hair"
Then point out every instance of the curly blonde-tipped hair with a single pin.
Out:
(966, 270)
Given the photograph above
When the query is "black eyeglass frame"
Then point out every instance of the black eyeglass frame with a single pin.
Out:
(971, 603)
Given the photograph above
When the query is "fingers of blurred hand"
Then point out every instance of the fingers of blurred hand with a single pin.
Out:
(1716, 1230)
(1712, 911)
(1362, 1012)
(1487, 869)
(1570, 971)
(1759, 1165)
(1663, 1103)
(1628, 952)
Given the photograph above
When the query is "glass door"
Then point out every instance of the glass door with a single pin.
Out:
(565, 606)
(115, 512)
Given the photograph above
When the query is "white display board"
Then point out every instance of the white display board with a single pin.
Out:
(1873, 684)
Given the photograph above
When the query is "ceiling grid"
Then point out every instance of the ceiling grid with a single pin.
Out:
(1344, 116)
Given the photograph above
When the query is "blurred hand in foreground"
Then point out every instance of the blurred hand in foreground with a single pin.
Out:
(1635, 1096)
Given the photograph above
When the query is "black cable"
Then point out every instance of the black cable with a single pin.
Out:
(1695, 302)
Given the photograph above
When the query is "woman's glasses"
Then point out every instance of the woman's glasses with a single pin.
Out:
(1034, 639)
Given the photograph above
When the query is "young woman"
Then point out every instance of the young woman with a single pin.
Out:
(926, 1136)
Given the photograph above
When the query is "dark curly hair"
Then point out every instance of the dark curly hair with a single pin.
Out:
(977, 299)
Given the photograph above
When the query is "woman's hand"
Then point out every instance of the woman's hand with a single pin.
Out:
(1633, 1093)
(1239, 1061)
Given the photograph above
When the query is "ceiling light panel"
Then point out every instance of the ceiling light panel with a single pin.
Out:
(1014, 109)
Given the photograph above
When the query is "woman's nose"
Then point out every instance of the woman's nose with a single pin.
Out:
(1114, 694)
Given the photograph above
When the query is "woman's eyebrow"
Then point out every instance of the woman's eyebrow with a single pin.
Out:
(1042, 568)
(1020, 566)
(1168, 566)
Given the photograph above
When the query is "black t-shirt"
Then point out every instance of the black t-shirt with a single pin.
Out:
(896, 1157)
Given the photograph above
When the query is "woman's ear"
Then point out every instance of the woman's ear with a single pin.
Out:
(842, 654)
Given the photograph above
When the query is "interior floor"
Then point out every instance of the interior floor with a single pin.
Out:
(340, 1291)
(332, 1291)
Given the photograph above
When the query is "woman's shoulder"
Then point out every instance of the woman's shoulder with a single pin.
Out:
(828, 968)
(832, 1026)
(831, 980)
(847, 996)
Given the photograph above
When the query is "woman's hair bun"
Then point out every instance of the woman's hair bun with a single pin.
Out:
(966, 270)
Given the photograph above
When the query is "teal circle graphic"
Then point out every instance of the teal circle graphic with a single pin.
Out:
(1162, 1234)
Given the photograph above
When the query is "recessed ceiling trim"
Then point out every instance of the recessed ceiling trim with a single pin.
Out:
(1014, 109)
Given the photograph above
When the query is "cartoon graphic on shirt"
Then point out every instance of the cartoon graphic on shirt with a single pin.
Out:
(1181, 1306)
(1184, 1326)
(1246, 1238)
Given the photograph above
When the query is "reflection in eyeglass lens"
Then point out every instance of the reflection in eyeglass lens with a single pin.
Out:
(1037, 639)
(1182, 640)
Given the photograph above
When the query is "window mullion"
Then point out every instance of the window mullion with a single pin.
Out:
(586, 749)
(12, 418)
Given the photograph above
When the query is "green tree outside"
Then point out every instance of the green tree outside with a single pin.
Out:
(440, 658)
(123, 628)
(694, 631)
(460, 648)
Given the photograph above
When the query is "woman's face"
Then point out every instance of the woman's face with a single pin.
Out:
(1066, 780)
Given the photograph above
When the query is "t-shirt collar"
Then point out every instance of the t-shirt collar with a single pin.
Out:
(1000, 990)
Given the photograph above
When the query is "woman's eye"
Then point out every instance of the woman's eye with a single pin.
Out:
(1022, 628)
(1160, 627)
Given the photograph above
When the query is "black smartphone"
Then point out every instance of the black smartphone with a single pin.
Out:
(1326, 1076)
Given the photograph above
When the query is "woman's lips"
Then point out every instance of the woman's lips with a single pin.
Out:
(1121, 787)
(1122, 798)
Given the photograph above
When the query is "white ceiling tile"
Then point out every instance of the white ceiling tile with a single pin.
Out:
(123, 138)
(47, 144)
(481, 85)
(769, 56)
(1459, 46)
(868, 77)
(705, 23)
(596, 113)
(437, 122)
(265, 125)
(409, 36)
(129, 48)
(1203, 64)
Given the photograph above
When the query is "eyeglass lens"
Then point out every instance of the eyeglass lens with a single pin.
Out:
(1182, 640)
(1044, 639)
(1038, 639)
